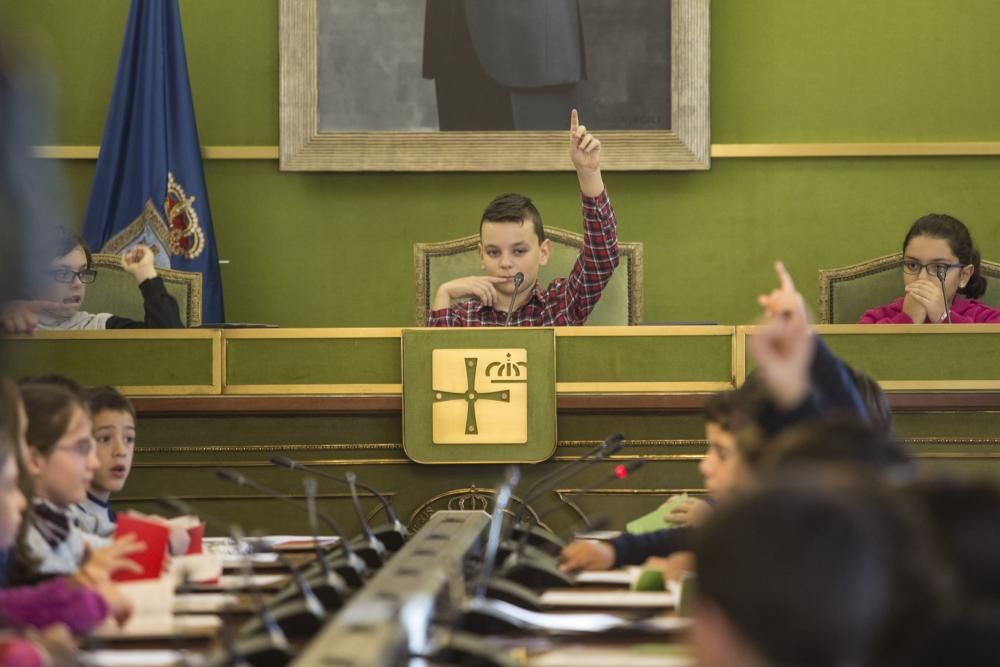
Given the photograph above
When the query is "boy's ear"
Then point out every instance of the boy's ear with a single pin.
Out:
(544, 251)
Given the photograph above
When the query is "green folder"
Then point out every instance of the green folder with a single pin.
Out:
(654, 520)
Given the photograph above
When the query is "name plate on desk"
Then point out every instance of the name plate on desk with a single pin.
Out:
(479, 395)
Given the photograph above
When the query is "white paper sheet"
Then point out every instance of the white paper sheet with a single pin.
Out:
(132, 658)
(239, 582)
(625, 576)
(609, 599)
(601, 657)
(201, 603)
(155, 627)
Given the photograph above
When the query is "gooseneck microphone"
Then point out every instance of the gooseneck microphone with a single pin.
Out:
(373, 551)
(392, 535)
(518, 280)
(941, 273)
(609, 446)
(352, 567)
(273, 647)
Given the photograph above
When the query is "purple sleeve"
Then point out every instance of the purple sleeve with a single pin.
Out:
(885, 315)
(54, 601)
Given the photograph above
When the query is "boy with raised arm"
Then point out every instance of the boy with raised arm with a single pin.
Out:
(512, 241)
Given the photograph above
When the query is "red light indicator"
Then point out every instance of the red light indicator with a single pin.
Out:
(621, 472)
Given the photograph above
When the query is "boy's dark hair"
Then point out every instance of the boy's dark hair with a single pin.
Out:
(54, 379)
(60, 241)
(965, 520)
(875, 400)
(841, 440)
(512, 207)
(941, 226)
(830, 595)
(107, 398)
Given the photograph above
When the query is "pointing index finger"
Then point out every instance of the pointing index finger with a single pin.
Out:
(574, 121)
(787, 284)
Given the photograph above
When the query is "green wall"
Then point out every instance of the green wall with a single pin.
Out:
(798, 71)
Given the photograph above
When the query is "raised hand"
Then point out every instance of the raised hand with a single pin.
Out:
(585, 152)
(926, 301)
(783, 346)
(21, 317)
(139, 262)
(479, 287)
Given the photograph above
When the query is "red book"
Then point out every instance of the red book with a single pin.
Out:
(155, 535)
(197, 534)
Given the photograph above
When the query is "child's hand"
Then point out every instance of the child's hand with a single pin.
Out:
(673, 566)
(480, 287)
(925, 299)
(21, 317)
(689, 512)
(586, 555)
(57, 642)
(99, 564)
(138, 261)
(783, 345)
(584, 148)
(585, 152)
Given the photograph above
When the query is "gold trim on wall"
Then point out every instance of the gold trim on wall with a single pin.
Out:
(718, 151)
(858, 149)
(305, 389)
(639, 387)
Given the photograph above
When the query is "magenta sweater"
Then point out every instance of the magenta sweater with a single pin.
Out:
(963, 311)
(53, 601)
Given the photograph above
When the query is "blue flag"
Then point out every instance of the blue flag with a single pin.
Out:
(149, 186)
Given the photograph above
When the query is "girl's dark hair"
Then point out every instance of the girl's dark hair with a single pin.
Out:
(49, 408)
(941, 226)
(10, 420)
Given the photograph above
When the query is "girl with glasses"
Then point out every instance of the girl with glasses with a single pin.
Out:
(59, 459)
(62, 286)
(939, 263)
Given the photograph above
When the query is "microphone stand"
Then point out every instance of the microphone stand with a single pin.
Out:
(350, 566)
(518, 279)
(393, 535)
(944, 295)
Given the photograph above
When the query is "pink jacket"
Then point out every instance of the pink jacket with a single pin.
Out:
(963, 311)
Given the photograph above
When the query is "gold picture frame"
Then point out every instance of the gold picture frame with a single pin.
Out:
(303, 147)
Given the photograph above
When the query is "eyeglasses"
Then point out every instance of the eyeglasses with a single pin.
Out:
(82, 448)
(913, 267)
(66, 275)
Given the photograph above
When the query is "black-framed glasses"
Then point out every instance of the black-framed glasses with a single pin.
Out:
(86, 276)
(913, 267)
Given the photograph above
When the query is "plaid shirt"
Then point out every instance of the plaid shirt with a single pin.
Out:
(566, 301)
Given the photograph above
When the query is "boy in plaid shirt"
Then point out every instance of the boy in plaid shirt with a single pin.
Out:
(510, 245)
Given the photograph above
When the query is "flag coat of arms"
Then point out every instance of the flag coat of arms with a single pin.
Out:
(149, 185)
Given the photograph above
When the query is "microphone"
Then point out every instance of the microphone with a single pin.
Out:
(392, 536)
(351, 567)
(511, 478)
(518, 279)
(373, 551)
(539, 567)
(941, 272)
(611, 444)
(272, 648)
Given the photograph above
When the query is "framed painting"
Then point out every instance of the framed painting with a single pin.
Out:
(487, 85)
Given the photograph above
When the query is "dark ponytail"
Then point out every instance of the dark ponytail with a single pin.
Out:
(941, 226)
